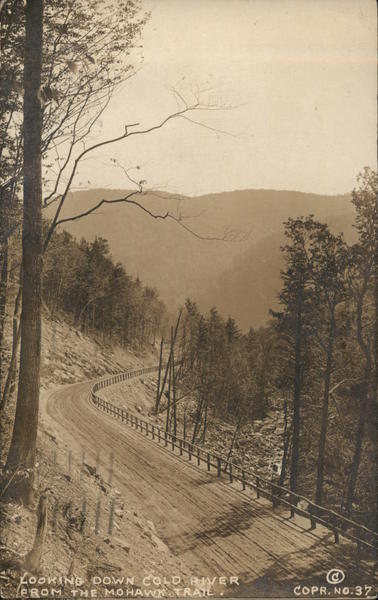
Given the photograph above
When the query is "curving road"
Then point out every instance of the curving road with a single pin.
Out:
(215, 529)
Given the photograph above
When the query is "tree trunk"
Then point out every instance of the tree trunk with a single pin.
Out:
(353, 474)
(4, 258)
(286, 438)
(15, 343)
(23, 443)
(234, 438)
(324, 416)
(198, 417)
(159, 377)
(3, 301)
(363, 397)
(174, 414)
(204, 431)
(169, 392)
(297, 398)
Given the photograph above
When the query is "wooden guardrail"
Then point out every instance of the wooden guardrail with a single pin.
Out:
(359, 534)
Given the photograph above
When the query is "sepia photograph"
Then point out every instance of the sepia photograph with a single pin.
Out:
(188, 299)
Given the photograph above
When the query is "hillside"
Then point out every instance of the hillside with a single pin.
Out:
(250, 287)
(181, 265)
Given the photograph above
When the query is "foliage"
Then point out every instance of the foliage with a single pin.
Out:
(81, 280)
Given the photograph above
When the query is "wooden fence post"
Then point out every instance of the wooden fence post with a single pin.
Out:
(180, 443)
(231, 477)
(243, 479)
(208, 461)
(190, 452)
(198, 457)
(258, 487)
(218, 466)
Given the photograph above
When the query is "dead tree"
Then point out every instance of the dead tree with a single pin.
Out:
(159, 376)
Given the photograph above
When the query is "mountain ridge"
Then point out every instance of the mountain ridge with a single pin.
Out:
(180, 265)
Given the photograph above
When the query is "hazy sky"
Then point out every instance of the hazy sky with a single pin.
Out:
(299, 74)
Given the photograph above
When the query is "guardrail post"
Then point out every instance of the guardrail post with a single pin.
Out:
(159, 435)
(208, 461)
(243, 479)
(153, 432)
(190, 452)
(258, 487)
(218, 466)
(231, 478)
(146, 428)
(166, 438)
(180, 444)
(173, 443)
(198, 456)
(136, 422)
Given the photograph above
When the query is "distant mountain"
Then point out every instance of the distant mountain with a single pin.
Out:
(241, 278)
(249, 288)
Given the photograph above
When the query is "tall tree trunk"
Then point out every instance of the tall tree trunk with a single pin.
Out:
(324, 416)
(3, 301)
(353, 473)
(286, 440)
(297, 397)
(198, 417)
(4, 252)
(204, 430)
(234, 438)
(363, 398)
(23, 443)
(174, 414)
(167, 423)
(15, 343)
(159, 377)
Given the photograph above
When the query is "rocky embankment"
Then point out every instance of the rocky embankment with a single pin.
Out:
(258, 445)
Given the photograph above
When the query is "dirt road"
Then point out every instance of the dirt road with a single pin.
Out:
(213, 528)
